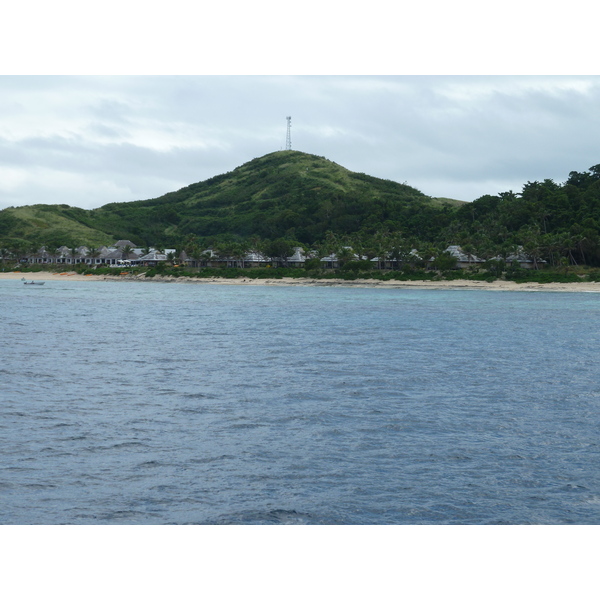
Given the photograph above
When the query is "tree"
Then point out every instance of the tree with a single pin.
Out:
(51, 252)
(238, 251)
(382, 246)
(93, 253)
(469, 250)
(444, 261)
(74, 253)
(279, 250)
(4, 254)
(329, 246)
(345, 255)
(532, 245)
(429, 254)
(195, 253)
(399, 250)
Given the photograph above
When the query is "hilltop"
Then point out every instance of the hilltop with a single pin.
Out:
(286, 193)
(282, 194)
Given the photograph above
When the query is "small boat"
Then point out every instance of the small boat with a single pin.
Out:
(34, 282)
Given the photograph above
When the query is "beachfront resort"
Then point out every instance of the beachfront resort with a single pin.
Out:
(125, 253)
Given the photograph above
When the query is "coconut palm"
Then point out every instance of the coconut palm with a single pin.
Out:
(126, 251)
(93, 254)
(74, 252)
(4, 254)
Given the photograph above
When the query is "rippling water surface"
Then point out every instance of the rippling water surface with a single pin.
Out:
(157, 403)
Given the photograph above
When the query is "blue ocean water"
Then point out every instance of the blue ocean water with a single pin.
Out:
(148, 403)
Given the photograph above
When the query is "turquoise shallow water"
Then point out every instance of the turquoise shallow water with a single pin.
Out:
(139, 402)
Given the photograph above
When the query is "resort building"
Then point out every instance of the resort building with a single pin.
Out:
(125, 253)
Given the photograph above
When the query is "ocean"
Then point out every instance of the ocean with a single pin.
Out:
(152, 403)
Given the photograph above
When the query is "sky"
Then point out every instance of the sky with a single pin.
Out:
(90, 140)
(123, 101)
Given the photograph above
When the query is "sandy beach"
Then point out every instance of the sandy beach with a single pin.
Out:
(286, 281)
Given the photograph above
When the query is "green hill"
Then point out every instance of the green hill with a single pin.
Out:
(305, 198)
(49, 225)
(286, 193)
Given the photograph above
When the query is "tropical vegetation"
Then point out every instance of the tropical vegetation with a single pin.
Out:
(292, 199)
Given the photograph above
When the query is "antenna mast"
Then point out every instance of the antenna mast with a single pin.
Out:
(288, 137)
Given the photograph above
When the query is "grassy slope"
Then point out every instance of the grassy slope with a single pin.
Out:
(282, 193)
(51, 225)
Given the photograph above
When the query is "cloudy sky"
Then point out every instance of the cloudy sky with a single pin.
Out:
(90, 140)
(76, 127)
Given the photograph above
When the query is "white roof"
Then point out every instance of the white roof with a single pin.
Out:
(459, 254)
(153, 256)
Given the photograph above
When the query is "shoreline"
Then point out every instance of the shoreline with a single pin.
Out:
(458, 284)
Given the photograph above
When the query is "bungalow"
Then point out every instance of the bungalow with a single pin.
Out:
(524, 260)
(250, 260)
(330, 262)
(297, 259)
(154, 257)
(124, 243)
(110, 256)
(463, 259)
(69, 256)
(256, 260)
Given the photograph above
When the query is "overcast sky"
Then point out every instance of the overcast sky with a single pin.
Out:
(88, 141)
(109, 136)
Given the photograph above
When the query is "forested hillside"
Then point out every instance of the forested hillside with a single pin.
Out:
(557, 222)
(309, 200)
(283, 194)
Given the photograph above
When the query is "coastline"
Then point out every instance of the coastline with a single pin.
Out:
(458, 284)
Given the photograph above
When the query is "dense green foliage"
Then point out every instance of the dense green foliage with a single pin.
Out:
(281, 195)
(559, 223)
(289, 198)
(286, 194)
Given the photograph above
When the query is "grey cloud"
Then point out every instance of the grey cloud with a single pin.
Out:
(461, 137)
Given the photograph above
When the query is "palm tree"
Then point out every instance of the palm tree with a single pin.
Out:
(365, 246)
(93, 253)
(205, 257)
(73, 252)
(51, 252)
(18, 250)
(238, 251)
(344, 255)
(429, 253)
(399, 249)
(469, 250)
(382, 247)
(279, 250)
(224, 250)
(126, 251)
(532, 245)
(195, 252)
(330, 246)
(34, 251)
(4, 254)
(256, 245)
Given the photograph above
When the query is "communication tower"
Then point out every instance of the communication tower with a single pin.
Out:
(288, 137)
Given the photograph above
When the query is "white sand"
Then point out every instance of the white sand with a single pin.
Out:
(432, 285)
